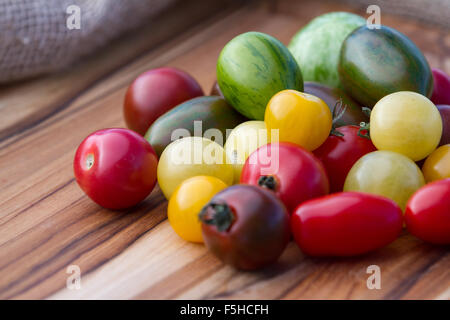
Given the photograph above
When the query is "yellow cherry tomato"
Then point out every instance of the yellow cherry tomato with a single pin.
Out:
(190, 157)
(300, 118)
(186, 203)
(406, 122)
(437, 165)
(242, 141)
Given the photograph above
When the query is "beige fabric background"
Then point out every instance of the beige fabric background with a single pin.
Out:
(34, 38)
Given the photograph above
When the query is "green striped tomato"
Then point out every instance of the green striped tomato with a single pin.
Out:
(253, 67)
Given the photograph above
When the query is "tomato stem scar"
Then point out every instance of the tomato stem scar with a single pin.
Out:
(90, 161)
(268, 182)
(217, 214)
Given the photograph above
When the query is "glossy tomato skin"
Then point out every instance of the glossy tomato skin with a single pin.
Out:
(189, 157)
(406, 122)
(339, 154)
(427, 213)
(259, 232)
(345, 224)
(385, 173)
(297, 175)
(116, 168)
(155, 92)
(242, 141)
(444, 111)
(441, 87)
(300, 118)
(186, 203)
(437, 165)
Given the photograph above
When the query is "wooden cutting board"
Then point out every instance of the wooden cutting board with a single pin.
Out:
(47, 224)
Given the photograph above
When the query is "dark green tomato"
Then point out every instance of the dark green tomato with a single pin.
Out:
(245, 226)
(353, 114)
(251, 68)
(374, 63)
(212, 111)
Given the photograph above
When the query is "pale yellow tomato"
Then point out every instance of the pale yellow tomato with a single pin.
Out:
(437, 165)
(300, 118)
(385, 173)
(186, 203)
(243, 140)
(406, 122)
(190, 157)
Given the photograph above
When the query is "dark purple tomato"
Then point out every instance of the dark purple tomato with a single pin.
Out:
(353, 114)
(245, 226)
(444, 110)
(154, 93)
(215, 90)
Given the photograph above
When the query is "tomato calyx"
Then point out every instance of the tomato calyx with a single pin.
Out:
(217, 214)
(364, 127)
(269, 182)
(338, 111)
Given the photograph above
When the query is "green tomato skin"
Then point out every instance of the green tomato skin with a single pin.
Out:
(353, 114)
(213, 111)
(385, 173)
(374, 63)
(253, 67)
(316, 46)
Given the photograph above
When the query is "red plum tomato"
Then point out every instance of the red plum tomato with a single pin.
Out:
(427, 214)
(339, 153)
(245, 226)
(292, 172)
(346, 224)
(441, 87)
(116, 168)
(155, 92)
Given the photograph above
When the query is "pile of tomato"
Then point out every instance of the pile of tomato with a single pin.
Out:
(337, 190)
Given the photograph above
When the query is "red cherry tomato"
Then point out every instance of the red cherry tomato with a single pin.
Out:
(346, 224)
(427, 214)
(245, 226)
(293, 173)
(339, 154)
(155, 92)
(441, 87)
(116, 168)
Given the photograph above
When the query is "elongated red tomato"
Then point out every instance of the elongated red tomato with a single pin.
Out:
(346, 224)
(293, 173)
(339, 154)
(116, 168)
(427, 214)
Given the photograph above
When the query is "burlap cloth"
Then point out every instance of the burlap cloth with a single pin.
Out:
(34, 37)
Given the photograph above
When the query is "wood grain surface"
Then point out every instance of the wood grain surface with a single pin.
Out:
(48, 224)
